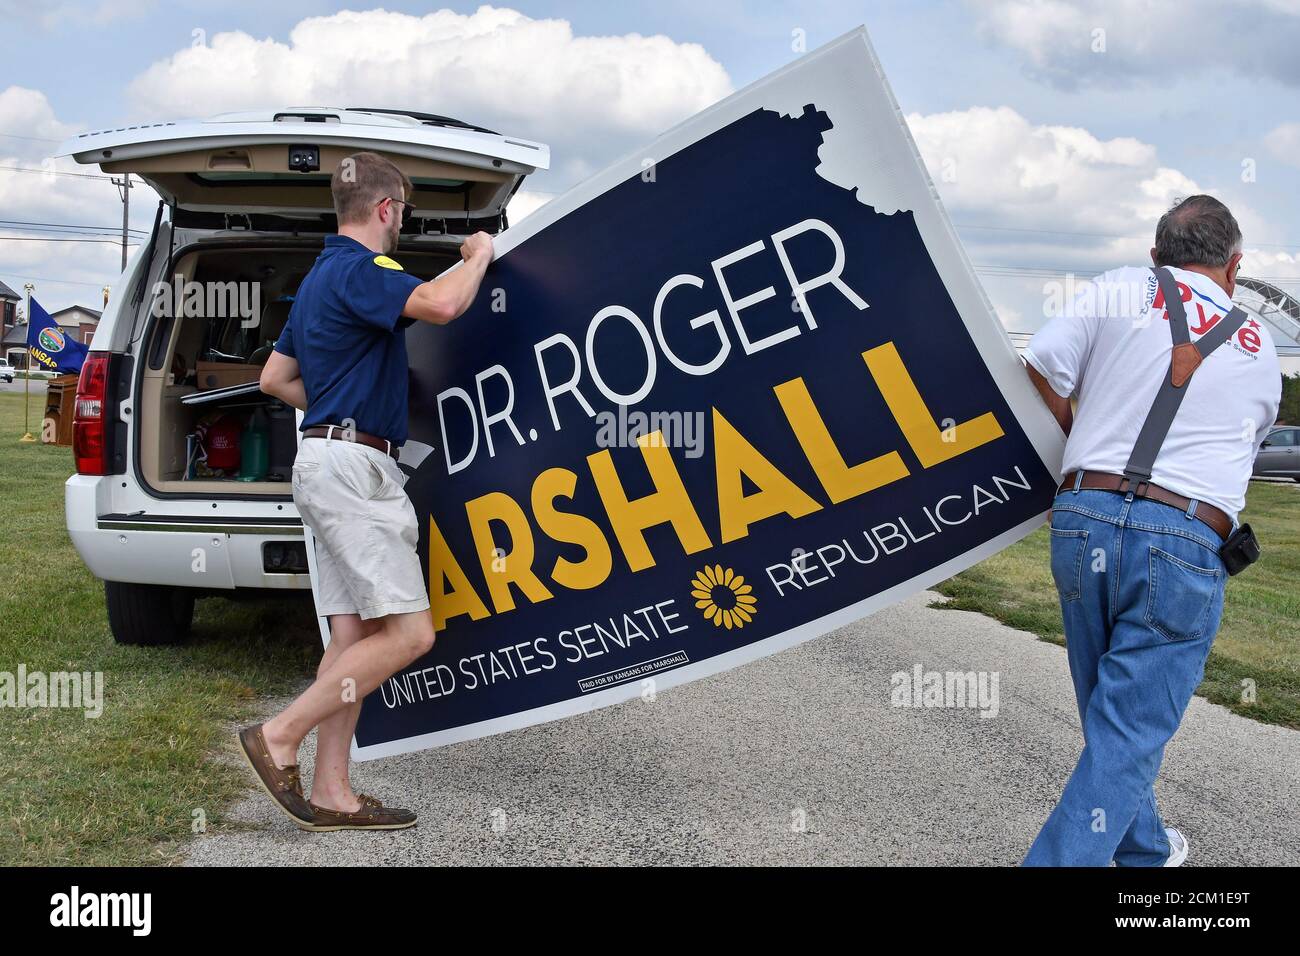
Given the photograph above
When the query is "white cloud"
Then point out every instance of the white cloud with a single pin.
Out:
(1271, 265)
(526, 202)
(1031, 199)
(27, 114)
(1082, 202)
(1011, 317)
(590, 97)
(1284, 142)
(1110, 42)
(1022, 193)
(31, 191)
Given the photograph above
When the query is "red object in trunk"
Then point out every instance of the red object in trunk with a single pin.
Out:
(223, 444)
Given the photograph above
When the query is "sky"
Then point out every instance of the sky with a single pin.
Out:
(1056, 132)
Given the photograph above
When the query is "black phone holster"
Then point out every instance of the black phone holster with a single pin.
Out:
(1240, 551)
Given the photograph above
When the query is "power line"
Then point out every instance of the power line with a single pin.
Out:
(991, 269)
(60, 229)
(111, 242)
(1097, 235)
(61, 225)
(15, 275)
(51, 172)
(34, 139)
(1046, 272)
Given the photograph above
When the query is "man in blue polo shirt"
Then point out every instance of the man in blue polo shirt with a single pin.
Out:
(342, 359)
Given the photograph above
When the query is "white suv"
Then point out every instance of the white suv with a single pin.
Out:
(182, 463)
(6, 371)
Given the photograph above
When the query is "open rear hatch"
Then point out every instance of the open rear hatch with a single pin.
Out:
(278, 163)
(252, 191)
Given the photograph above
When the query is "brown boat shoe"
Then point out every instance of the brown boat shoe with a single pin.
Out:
(282, 784)
(371, 815)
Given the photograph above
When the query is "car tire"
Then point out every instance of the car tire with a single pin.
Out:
(148, 615)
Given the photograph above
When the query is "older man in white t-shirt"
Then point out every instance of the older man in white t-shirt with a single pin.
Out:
(1139, 575)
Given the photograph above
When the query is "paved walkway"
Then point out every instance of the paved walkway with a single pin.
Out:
(721, 770)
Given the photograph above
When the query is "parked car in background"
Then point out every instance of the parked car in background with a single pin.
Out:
(1279, 455)
(6, 371)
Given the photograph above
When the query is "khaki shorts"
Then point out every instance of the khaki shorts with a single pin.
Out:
(352, 497)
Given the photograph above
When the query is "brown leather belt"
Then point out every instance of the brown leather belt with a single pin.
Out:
(338, 433)
(1103, 481)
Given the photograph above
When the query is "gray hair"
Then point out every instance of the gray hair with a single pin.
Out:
(1198, 230)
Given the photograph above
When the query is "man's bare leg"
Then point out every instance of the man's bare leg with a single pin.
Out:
(330, 786)
(401, 639)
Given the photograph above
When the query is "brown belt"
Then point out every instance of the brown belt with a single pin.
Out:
(338, 433)
(1103, 481)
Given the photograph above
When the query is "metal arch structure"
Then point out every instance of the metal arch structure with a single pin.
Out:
(1277, 309)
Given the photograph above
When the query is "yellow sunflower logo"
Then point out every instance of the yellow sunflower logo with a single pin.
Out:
(724, 597)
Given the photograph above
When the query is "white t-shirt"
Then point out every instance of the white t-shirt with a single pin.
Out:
(1111, 349)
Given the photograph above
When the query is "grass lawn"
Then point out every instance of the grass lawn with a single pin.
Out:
(1259, 637)
(128, 786)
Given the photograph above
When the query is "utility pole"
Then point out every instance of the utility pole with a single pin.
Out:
(124, 190)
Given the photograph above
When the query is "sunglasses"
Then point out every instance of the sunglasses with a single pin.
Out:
(407, 208)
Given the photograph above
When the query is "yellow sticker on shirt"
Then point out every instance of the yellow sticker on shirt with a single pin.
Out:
(388, 263)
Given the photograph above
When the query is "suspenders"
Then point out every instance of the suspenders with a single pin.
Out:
(1184, 360)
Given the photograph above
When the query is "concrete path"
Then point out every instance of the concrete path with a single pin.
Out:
(724, 770)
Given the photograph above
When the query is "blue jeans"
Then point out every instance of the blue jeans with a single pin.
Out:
(1141, 589)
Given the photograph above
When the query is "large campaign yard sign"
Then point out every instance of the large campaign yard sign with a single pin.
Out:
(738, 390)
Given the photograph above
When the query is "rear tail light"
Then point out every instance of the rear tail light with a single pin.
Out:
(90, 446)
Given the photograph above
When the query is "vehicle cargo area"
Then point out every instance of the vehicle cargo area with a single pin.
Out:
(204, 427)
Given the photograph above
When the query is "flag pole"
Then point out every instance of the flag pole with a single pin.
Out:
(27, 396)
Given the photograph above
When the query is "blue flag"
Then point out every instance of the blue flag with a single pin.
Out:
(50, 347)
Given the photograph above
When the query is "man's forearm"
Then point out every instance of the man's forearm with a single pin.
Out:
(1058, 406)
(447, 297)
(461, 285)
(292, 392)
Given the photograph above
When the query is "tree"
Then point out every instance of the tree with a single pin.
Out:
(1289, 412)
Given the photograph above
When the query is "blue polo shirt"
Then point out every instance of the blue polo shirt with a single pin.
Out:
(347, 332)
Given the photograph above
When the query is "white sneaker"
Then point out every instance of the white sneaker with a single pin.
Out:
(1177, 847)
